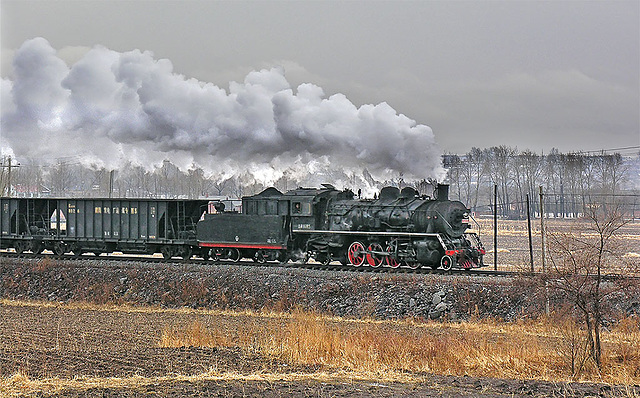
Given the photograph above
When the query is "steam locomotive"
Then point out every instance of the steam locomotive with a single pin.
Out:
(399, 228)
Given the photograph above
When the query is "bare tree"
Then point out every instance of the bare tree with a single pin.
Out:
(501, 173)
(167, 181)
(581, 259)
(454, 164)
(61, 177)
(195, 181)
(611, 172)
(474, 174)
(221, 185)
(531, 164)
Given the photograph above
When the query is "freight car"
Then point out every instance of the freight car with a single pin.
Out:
(400, 228)
(100, 225)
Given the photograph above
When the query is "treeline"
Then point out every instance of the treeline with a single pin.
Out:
(570, 181)
(63, 179)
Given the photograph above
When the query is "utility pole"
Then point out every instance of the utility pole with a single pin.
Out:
(9, 166)
(544, 268)
(495, 227)
(110, 183)
(529, 229)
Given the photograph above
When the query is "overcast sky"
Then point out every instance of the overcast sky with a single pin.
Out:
(535, 75)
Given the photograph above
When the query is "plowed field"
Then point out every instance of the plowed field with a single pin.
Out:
(78, 350)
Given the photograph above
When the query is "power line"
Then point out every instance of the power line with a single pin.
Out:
(610, 150)
(543, 155)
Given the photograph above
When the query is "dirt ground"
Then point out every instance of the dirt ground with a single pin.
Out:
(54, 350)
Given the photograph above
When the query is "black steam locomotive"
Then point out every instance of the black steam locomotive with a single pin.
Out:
(399, 228)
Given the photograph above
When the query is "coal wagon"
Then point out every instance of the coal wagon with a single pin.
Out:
(101, 225)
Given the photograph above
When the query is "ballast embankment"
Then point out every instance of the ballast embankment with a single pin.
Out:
(245, 287)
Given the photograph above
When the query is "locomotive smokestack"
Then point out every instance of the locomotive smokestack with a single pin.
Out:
(442, 192)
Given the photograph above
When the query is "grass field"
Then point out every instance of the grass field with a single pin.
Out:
(68, 347)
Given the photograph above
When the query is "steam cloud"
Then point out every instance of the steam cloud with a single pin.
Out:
(110, 107)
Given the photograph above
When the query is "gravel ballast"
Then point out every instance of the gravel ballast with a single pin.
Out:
(245, 286)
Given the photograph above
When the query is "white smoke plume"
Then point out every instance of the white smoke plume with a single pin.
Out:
(112, 107)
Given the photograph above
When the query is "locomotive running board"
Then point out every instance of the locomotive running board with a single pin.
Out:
(235, 245)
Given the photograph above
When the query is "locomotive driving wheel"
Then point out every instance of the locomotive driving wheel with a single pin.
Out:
(327, 260)
(413, 264)
(356, 254)
(212, 255)
(373, 259)
(391, 260)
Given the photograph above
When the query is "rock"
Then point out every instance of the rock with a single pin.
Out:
(441, 307)
(434, 314)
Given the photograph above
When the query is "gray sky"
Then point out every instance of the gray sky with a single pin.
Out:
(535, 75)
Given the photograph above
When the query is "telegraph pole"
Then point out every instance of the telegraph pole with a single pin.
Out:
(110, 184)
(544, 269)
(9, 166)
(495, 227)
(529, 229)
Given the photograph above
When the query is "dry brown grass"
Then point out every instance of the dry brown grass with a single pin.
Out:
(523, 350)
(195, 334)
(20, 385)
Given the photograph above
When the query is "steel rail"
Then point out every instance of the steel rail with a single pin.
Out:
(137, 260)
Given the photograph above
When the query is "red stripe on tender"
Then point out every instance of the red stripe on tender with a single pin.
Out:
(241, 245)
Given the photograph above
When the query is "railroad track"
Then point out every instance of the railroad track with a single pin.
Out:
(134, 261)
(334, 266)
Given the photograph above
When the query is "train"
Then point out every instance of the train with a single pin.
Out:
(399, 228)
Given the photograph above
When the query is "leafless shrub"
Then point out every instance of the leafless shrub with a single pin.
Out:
(581, 261)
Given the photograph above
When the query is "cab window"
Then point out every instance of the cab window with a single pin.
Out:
(301, 208)
(296, 208)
